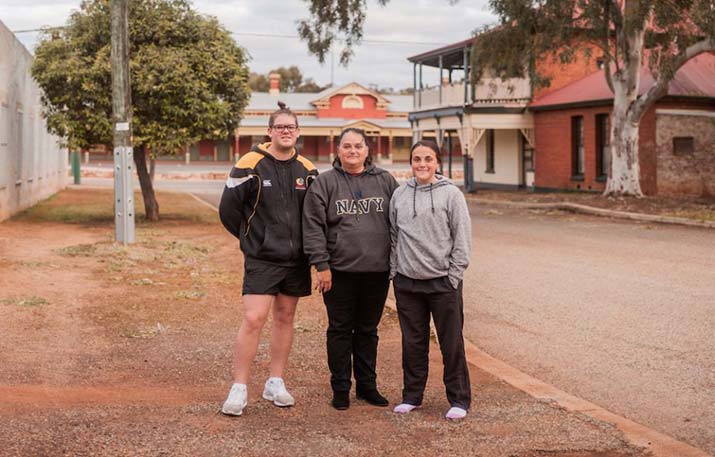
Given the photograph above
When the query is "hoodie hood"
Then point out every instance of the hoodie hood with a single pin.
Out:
(431, 188)
(262, 148)
(441, 181)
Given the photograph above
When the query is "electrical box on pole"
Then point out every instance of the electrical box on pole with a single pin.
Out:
(122, 121)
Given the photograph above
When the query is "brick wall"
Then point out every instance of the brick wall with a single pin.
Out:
(553, 166)
(686, 174)
(564, 74)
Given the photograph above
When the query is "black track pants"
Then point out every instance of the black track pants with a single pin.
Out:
(354, 304)
(416, 301)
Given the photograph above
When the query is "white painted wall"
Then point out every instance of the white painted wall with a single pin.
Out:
(33, 166)
(507, 159)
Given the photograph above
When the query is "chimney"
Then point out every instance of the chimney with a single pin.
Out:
(274, 79)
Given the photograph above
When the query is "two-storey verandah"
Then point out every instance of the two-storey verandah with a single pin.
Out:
(484, 125)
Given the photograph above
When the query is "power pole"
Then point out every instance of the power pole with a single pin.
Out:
(122, 117)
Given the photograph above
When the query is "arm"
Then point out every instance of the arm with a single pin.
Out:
(240, 189)
(315, 230)
(315, 226)
(460, 226)
(394, 233)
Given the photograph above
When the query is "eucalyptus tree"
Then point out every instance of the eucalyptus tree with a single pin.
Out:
(629, 35)
(188, 80)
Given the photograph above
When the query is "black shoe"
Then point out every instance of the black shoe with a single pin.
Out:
(341, 400)
(372, 396)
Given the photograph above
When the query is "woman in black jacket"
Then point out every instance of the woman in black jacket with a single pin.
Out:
(346, 235)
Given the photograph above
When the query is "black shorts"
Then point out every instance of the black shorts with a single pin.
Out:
(261, 278)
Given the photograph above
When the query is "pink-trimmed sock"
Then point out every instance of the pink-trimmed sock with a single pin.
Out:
(456, 413)
(404, 408)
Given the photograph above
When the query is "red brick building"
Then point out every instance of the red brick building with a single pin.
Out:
(676, 136)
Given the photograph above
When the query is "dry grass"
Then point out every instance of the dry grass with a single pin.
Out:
(95, 207)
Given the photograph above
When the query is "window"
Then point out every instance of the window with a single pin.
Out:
(683, 145)
(353, 102)
(490, 151)
(577, 152)
(603, 147)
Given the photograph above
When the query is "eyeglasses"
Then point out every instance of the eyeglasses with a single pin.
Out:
(289, 127)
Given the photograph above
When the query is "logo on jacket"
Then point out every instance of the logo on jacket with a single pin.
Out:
(361, 206)
(300, 184)
(267, 183)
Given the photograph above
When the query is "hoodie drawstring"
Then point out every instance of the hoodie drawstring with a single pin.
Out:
(431, 197)
(414, 200)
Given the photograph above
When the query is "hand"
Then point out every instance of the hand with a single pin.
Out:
(325, 280)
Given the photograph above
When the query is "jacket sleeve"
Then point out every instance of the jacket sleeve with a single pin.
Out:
(240, 190)
(315, 225)
(394, 233)
(460, 226)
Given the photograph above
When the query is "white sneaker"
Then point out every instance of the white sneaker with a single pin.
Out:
(236, 401)
(456, 413)
(276, 392)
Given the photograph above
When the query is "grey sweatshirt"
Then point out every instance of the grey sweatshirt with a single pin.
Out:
(346, 220)
(431, 231)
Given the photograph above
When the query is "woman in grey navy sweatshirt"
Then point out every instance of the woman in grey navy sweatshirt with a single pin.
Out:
(346, 235)
(431, 246)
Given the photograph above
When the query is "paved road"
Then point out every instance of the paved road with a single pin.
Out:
(619, 313)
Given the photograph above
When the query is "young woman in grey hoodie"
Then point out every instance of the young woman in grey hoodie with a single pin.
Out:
(431, 247)
(346, 235)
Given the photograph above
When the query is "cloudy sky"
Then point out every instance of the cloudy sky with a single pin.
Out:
(384, 64)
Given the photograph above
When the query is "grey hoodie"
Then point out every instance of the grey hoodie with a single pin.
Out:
(346, 220)
(431, 231)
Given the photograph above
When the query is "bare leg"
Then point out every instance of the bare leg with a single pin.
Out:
(282, 332)
(255, 313)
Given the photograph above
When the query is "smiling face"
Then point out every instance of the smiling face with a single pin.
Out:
(285, 132)
(424, 164)
(352, 152)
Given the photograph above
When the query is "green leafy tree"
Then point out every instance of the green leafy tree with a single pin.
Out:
(291, 81)
(662, 34)
(188, 80)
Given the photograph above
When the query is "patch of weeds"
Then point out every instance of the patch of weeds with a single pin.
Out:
(182, 250)
(191, 294)
(37, 264)
(25, 302)
(143, 282)
(79, 250)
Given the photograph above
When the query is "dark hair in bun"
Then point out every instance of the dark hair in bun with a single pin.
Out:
(282, 109)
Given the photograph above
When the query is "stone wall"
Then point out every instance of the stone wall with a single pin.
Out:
(32, 163)
(688, 173)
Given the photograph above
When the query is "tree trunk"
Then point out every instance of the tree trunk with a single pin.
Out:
(152, 167)
(624, 176)
(151, 206)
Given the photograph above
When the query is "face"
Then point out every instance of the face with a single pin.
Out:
(284, 132)
(352, 151)
(424, 164)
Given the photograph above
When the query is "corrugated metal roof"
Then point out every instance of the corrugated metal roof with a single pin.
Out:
(694, 79)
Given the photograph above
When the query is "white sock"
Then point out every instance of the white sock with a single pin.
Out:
(456, 413)
(274, 379)
(404, 408)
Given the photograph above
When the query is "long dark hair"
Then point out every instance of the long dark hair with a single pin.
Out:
(361, 132)
(282, 109)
